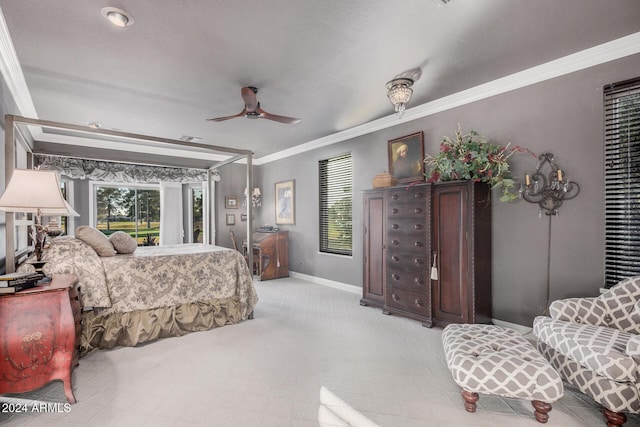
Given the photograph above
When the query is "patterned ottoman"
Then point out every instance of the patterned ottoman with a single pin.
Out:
(494, 360)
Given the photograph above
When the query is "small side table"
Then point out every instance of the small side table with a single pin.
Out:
(38, 336)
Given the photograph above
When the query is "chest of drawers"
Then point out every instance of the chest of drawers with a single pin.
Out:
(39, 329)
(409, 230)
(407, 252)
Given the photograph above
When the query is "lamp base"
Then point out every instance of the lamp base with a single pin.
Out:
(38, 265)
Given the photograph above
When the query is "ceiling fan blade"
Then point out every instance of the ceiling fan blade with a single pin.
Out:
(276, 118)
(222, 119)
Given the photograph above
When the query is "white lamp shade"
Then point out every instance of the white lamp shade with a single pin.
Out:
(32, 190)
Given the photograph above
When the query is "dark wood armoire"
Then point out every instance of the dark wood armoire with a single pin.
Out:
(427, 252)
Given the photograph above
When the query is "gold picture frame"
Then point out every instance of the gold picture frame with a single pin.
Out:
(286, 202)
(406, 157)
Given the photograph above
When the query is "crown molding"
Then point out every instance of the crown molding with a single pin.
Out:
(600, 54)
(12, 73)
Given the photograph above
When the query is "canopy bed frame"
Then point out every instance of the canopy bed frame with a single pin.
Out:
(12, 130)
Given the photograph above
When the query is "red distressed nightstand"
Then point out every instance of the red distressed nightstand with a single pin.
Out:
(38, 336)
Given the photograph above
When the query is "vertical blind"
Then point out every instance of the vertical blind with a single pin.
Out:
(622, 180)
(336, 205)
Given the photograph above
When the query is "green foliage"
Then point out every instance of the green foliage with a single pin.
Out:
(339, 234)
(472, 157)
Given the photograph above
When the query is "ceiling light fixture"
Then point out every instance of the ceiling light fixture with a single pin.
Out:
(399, 93)
(117, 17)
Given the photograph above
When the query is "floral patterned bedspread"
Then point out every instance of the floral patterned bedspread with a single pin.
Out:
(153, 276)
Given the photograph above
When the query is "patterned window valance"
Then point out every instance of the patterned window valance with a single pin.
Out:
(120, 172)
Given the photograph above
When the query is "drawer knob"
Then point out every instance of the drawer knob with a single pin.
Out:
(418, 244)
(395, 210)
(395, 258)
(418, 226)
(419, 303)
(418, 281)
(394, 196)
(418, 261)
(395, 297)
(394, 242)
(418, 195)
(417, 211)
(395, 276)
(395, 226)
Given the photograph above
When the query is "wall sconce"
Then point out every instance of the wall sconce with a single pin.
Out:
(399, 93)
(256, 197)
(36, 192)
(548, 191)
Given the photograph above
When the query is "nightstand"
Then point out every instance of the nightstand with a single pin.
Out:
(38, 336)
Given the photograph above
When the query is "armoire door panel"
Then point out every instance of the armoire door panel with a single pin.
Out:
(450, 240)
(373, 286)
(376, 220)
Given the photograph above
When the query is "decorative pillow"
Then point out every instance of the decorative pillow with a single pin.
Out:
(123, 243)
(70, 255)
(94, 238)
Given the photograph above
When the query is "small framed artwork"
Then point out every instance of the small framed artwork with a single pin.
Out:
(406, 157)
(231, 202)
(243, 217)
(231, 219)
(286, 202)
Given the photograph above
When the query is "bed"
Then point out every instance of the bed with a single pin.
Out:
(156, 292)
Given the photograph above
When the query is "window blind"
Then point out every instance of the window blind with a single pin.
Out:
(336, 205)
(622, 180)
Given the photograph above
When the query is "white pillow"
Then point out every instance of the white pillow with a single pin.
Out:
(123, 243)
(94, 238)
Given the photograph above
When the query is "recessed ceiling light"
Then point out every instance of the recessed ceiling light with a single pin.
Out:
(117, 17)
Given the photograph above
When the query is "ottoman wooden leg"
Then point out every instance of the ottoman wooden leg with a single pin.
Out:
(542, 410)
(470, 399)
(614, 418)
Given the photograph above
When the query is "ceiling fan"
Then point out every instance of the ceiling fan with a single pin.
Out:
(252, 109)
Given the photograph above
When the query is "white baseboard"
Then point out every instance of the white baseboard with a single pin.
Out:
(523, 330)
(326, 282)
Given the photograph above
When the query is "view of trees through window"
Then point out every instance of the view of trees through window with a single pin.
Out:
(196, 203)
(135, 211)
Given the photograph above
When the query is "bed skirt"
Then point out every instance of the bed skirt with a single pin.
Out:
(132, 328)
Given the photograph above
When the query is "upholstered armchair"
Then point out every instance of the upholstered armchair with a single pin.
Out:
(594, 343)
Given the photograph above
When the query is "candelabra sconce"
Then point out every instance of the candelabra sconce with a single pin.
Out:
(256, 197)
(548, 189)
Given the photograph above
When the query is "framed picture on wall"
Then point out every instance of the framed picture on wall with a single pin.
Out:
(231, 202)
(406, 157)
(231, 219)
(285, 202)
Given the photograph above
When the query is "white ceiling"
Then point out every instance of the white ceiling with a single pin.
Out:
(327, 62)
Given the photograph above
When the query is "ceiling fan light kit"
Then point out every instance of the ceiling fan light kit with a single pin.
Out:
(399, 93)
(117, 17)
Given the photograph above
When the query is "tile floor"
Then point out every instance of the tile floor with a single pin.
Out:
(311, 357)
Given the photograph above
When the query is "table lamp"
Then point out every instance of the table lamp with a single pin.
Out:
(37, 192)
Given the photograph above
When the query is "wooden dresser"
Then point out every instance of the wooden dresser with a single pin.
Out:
(40, 330)
(406, 229)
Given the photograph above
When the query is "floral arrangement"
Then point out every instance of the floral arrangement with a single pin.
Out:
(471, 156)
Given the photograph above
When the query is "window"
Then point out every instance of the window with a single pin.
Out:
(134, 210)
(335, 205)
(622, 180)
(196, 215)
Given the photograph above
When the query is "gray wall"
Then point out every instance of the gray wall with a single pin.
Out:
(562, 116)
(7, 106)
